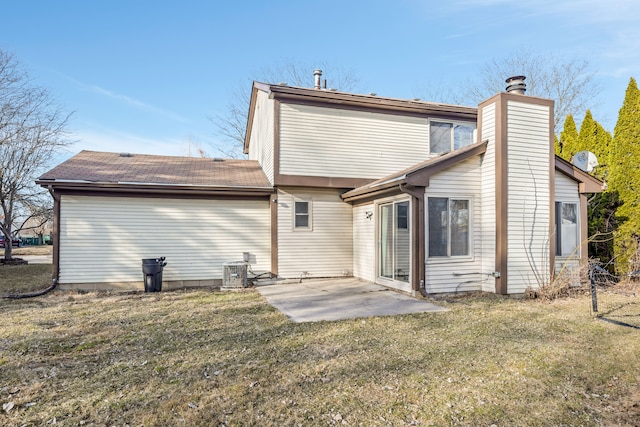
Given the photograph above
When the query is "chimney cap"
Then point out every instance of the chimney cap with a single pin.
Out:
(317, 73)
(516, 84)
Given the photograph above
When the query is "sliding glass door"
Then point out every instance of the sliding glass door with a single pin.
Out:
(394, 237)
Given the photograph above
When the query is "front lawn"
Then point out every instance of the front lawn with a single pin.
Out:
(215, 358)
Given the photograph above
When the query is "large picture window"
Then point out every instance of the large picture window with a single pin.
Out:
(567, 231)
(449, 225)
(445, 137)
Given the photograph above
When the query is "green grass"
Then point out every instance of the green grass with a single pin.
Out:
(212, 358)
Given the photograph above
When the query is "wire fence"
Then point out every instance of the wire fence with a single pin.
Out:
(615, 299)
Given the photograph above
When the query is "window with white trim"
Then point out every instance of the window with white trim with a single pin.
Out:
(302, 215)
(449, 227)
(567, 230)
(449, 136)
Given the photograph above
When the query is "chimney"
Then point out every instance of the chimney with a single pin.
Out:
(516, 84)
(317, 74)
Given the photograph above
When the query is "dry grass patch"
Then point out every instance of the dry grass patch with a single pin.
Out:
(15, 279)
(33, 250)
(211, 358)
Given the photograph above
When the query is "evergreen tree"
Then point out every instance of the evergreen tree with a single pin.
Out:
(556, 145)
(602, 206)
(569, 139)
(624, 178)
(593, 137)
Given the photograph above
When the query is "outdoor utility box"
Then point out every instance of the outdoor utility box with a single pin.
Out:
(152, 273)
(234, 275)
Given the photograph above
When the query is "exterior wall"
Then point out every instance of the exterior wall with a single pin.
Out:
(364, 242)
(320, 141)
(566, 190)
(103, 239)
(324, 251)
(528, 195)
(451, 274)
(262, 134)
(488, 208)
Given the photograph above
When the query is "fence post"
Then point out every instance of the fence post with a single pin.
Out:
(594, 297)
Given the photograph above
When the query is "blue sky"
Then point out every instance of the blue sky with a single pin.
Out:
(144, 76)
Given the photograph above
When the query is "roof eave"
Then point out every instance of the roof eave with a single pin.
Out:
(151, 188)
(587, 183)
(252, 103)
(371, 101)
(417, 176)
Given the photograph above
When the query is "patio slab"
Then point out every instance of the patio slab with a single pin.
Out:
(337, 299)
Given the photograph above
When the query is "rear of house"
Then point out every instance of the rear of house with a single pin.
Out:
(416, 196)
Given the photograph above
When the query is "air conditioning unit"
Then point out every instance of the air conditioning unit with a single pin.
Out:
(234, 275)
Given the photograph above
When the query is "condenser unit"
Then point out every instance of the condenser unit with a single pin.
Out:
(234, 275)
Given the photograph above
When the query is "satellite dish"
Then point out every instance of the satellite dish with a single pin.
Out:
(585, 160)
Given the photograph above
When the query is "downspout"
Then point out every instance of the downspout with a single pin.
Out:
(54, 278)
(418, 244)
(56, 234)
(54, 282)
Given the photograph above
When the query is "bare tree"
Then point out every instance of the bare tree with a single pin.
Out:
(32, 131)
(569, 82)
(231, 125)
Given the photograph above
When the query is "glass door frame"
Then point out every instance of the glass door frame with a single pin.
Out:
(392, 279)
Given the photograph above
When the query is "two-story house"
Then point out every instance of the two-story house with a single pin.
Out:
(413, 195)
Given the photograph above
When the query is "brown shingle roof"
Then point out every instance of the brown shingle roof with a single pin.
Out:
(139, 169)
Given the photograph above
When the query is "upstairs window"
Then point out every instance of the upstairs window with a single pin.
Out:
(449, 136)
(567, 239)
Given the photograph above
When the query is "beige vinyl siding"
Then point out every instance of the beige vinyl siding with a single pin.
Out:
(364, 233)
(528, 209)
(262, 134)
(487, 253)
(326, 250)
(458, 273)
(103, 239)
(318, 141)
(566, 190)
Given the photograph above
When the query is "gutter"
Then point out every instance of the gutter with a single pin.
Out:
(365, 192)
(140, 187)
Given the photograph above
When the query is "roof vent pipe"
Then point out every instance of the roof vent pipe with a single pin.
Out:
(516, 84)
(317, 74)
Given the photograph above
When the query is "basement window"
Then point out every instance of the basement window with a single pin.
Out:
(448, 136)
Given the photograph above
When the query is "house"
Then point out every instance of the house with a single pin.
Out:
(417, 196)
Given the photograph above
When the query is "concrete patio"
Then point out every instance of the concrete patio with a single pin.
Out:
(315, 300)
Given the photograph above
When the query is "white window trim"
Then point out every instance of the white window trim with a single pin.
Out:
(309, 201)
(456, 258)
(577, 253)
(453, 123)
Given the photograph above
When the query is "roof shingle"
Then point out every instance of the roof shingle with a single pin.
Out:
(114, 168)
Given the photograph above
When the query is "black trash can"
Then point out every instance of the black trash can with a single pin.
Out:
(152, 273)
